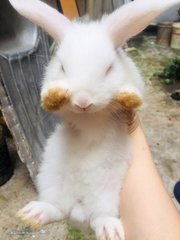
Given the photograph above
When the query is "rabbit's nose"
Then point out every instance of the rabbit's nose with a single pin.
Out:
(82, 101)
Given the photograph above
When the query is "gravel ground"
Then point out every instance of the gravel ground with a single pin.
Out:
(160, 114)
(160, 118)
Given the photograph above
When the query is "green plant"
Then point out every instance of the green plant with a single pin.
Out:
(171, 71)
(75, 234)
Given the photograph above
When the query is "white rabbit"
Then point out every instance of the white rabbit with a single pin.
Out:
(91, 85)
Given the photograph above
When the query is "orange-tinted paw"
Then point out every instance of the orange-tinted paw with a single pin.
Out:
(54, 99)
(129, 100)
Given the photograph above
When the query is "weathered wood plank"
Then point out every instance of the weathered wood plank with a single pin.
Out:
(82, 6)
(117, 3)
(22, 65)
(107, 6)
(20, 82)
(96, 8)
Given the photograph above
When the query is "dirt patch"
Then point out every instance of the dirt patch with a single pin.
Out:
(160, 114)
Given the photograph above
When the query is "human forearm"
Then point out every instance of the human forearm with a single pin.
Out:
(146, 208)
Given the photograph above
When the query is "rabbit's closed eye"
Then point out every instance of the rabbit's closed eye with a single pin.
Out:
(109, 69)
(62, 68)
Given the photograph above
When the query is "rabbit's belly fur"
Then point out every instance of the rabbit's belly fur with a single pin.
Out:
(82, 175)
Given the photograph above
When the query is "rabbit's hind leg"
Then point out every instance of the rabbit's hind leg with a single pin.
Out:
(108, 228)
(37, 213)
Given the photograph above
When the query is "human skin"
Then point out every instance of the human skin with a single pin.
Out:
(147, 210)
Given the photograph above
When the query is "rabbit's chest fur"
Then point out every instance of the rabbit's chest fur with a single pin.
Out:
(83, 167)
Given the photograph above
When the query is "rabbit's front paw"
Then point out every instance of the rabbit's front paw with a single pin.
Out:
(108, 228)
(129, 100)
(53, 99)
(36, 213)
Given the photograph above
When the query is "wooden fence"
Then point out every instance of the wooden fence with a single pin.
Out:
(96, 8)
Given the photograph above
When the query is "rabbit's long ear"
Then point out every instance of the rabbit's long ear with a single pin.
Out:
(44, 16)
(132, 18)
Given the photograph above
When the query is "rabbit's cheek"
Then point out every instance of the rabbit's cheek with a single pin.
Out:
(129, 100)
(54, 99)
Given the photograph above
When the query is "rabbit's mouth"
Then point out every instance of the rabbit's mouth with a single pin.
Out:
(86, 110)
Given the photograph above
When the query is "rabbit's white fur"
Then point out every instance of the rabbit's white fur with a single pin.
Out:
(86, 158)
(86, 52)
